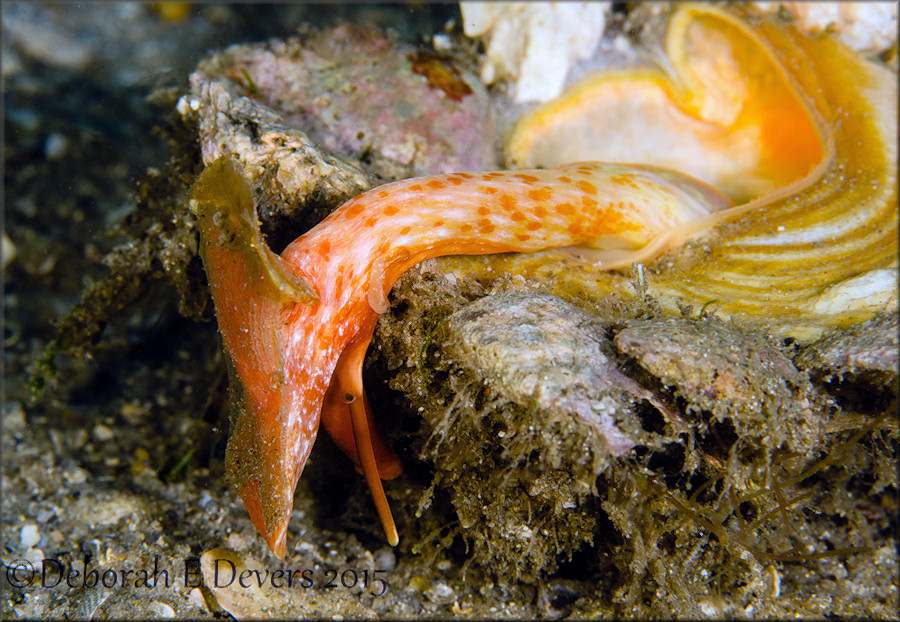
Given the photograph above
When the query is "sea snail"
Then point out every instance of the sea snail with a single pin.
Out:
(296, 325)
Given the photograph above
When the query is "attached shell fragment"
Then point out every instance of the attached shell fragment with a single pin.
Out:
(533, 45)
(536, 347)
(869, 26)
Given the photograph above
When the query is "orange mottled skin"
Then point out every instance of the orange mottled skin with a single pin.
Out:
(298, 362)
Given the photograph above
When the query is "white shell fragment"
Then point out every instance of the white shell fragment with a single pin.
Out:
(863, 26)
(534, 44)
(29, 536)
(875, 290)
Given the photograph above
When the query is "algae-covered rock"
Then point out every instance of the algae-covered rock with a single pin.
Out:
(859, 364)
(725, 434)
(738, 383)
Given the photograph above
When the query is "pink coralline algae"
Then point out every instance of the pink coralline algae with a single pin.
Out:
(355, 92)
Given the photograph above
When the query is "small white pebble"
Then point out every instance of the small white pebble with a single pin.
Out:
(29, 536)
(776, 581)
(622, 44)
(102, 433)
(708, 608)
(840, 572)
(35, 556)
(75, 475)
(162, 609)
(13, 414)
(182, 106)
(55, 146)
(196, 598)
(385, 559)
(7, 250)
(442, 42)
(187, 104)
(440, 594)
(236, 542)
